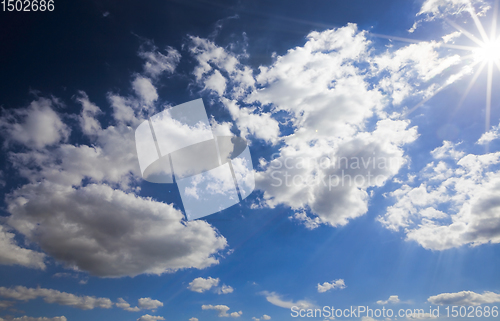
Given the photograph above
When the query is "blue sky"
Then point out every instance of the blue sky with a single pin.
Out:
(407, 88)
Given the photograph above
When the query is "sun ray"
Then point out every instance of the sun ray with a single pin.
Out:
(497, 63)
(493, 32)
(441, 44)
(488, 96)
(478, 23)
(425, 100)
(471, 84)
(465, 32)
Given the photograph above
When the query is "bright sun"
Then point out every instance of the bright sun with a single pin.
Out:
(484, 55)
(489, 51)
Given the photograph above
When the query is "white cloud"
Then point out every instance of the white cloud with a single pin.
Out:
(216, 82)
(121, 233)
(122, 304)
(454, 202)
(277, 300)
(89, 125)
(22, 293)
(201, 285)
(6, 304)
(149, 304)
(319, 92)
(158, 63)
(193, 319)
(80, 204)
(264, 317)
(393, 299)
(450, 7)
(464, 298)
(26, 318)
(336, 284)
(489, 136)
(225, 289)
(222, 310)
(148, 317)
(432, 9)
(12, 254)
(145, 89)
(35, 126)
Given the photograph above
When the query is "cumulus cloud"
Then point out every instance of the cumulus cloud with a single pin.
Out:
(465, 298)
(148, 317)
(35, 126)
(149, 304)
(335, 284)
(222, 310)
(109, 232)
(201, 285)
(80, 203)
(264, 317)
(145, 89)
(122, 304)
(193, 319)
(225, 289)
(454, 201)
(319, 92)
(22, 293)
(277, 300)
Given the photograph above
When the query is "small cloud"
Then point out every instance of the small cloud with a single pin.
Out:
(336, 284)
(148, 317)
(277, 300)
(122, 304)
(149, 304)
(393, 299)
(201, 285)
(225, 289)
(222, 310)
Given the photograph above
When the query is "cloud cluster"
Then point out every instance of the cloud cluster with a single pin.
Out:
(26, 318)
(320, 93)
(143, 304)
(465, 298)
(22, 293)
(454, 201)
(80, 205)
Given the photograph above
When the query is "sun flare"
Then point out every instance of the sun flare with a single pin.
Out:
(489, 51)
